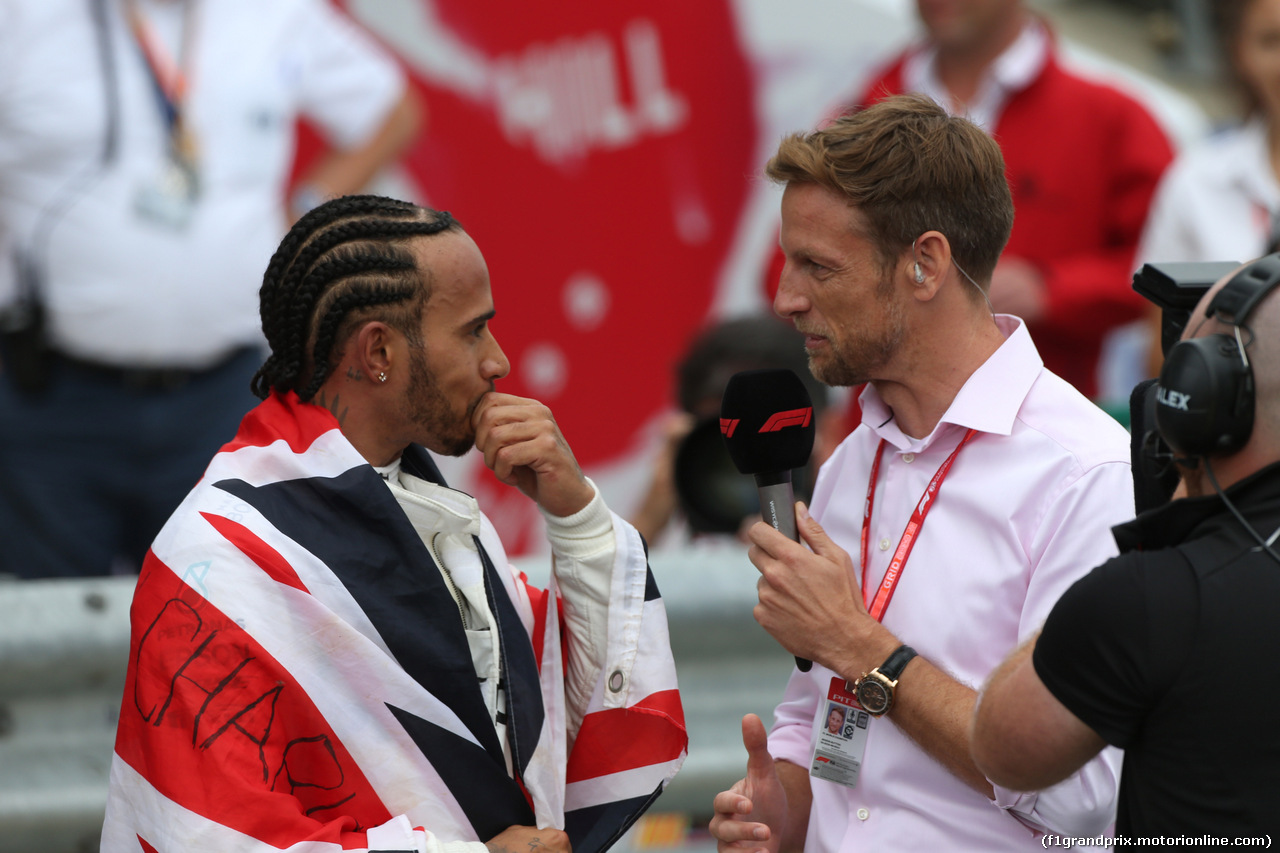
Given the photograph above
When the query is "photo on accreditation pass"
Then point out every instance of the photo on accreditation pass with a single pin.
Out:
(842, 721)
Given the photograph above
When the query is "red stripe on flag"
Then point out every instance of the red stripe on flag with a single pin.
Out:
(147, 848)
(282, 416)
(617, 739)
(537, 600)
(219, 727)
(252, 546)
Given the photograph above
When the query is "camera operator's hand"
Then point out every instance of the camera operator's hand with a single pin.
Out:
(660, 500)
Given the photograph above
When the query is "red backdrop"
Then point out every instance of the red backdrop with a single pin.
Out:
(600, 155)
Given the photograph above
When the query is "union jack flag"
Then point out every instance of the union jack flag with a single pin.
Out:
(299, 678)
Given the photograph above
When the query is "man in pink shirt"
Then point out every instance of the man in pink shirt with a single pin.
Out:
(977, 488)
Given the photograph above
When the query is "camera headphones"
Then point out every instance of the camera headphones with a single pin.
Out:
(1205, 393)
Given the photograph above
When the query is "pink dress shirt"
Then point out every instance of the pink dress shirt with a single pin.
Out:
(1025, 511)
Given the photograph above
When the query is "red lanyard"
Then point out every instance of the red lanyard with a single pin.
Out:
(170, 79)
(878, 606)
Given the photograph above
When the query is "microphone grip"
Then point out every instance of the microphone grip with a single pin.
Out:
(778, 506)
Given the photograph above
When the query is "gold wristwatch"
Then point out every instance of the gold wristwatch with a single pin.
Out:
(874, 689)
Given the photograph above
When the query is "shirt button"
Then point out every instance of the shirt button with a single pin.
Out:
(884, 544)
(863, 814)
(908, 458)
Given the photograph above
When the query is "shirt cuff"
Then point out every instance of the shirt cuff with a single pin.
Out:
(586, 533)
(791, 742)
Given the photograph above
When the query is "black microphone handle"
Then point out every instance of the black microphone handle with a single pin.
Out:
(778, 506)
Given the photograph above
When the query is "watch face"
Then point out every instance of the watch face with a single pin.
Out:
(874, 695)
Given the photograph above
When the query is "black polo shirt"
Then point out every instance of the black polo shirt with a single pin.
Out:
(1171, 651)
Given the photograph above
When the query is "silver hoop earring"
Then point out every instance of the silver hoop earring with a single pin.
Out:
(919, 275)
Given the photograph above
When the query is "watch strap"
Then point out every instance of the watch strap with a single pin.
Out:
(895, 663)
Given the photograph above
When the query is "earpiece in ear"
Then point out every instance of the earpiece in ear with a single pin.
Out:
(919, 275)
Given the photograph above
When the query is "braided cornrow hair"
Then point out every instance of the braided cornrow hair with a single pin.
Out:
(342, 263)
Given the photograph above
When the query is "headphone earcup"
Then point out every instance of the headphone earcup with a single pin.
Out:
(1204, 398)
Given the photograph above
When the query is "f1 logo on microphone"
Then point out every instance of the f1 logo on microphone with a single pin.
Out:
(727, 426)
(789, 418)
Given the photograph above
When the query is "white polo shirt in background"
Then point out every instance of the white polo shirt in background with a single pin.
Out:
(126, 291)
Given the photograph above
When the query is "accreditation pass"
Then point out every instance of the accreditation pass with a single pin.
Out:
(842, 736)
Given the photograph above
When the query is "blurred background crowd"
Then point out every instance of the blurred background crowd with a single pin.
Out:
(153, 151)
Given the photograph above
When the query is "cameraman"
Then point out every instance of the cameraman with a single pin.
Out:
(684, 497)
(1168, 651)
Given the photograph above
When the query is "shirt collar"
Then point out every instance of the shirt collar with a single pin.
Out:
(436, 509)
(988, 401)
(1179, 521)
(1013, 70)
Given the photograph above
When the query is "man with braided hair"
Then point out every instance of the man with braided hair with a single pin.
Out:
(329, 647)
